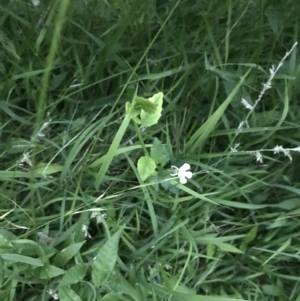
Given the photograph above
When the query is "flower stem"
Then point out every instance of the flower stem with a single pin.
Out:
(139, 134)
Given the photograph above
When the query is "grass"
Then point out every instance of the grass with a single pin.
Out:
(81, 219)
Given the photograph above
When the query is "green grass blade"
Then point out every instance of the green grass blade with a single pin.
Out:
(198, 138)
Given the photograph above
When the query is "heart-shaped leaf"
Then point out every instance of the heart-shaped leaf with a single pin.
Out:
(146, 167)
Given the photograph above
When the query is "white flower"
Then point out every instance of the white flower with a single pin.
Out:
(246, 104)
(25, 161)
(182, 173)
(52, 294)
(35, 2)
(235, 148)
(259, 157)
(100, 217)
(277, 149)
(84, 229)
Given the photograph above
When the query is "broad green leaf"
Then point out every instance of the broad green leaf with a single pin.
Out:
(159, 153)
(228, 248)
(67, 294)
(74, 275)
(105, 260)
(50, 271)
(146, 167)
(193, 297)
(67, 253)
(147, 118)
(112, 296)
(22, 259)
(148, 109)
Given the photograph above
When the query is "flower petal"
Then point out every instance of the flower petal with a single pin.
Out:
(182, 180)
(185, 167)
(188, 174)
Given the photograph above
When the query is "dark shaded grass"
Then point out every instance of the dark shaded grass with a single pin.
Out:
(241, 245)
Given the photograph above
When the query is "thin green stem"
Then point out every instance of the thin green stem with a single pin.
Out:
(139, 134)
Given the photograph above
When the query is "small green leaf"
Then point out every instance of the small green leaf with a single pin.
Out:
(105, 260)
(250, 235)
(73, 275)
(159, 153)
(150, 118)
(146, 167)
(67, 294)
(133, 112)
(228, 248)
(210, 250)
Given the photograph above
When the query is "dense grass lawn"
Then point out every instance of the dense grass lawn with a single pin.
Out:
(149, 150)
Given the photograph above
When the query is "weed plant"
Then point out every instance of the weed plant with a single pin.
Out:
(149, 150)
